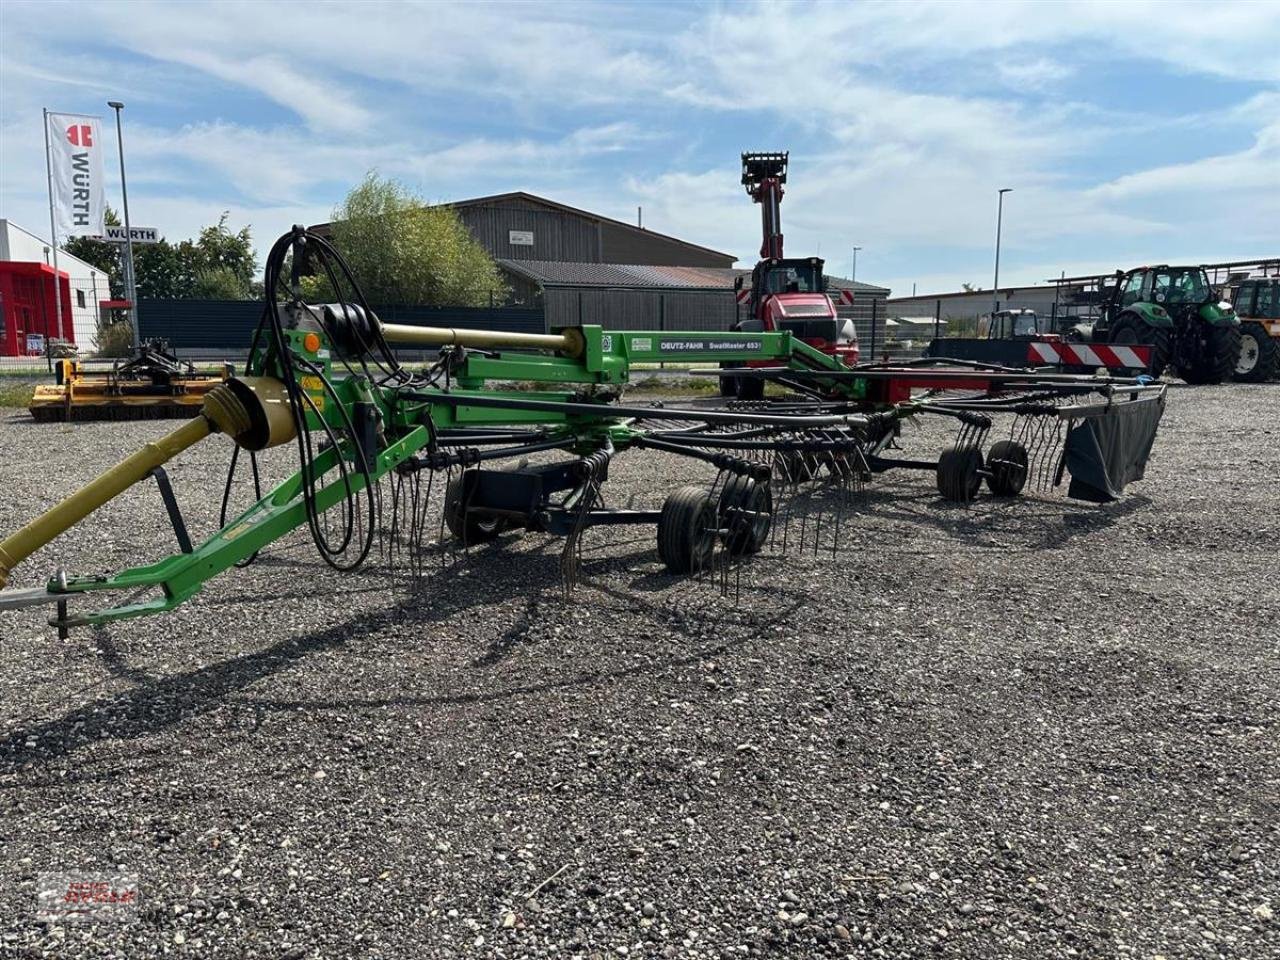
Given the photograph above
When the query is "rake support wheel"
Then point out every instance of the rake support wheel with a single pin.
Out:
(465, 525)
(1007, 468)
(746, 511)
(687, 530)
(959, 475)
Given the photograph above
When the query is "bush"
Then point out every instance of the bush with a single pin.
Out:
(115, 339)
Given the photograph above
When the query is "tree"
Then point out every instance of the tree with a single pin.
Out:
(219, 283)
(228, 255)
(970, 288)
(217, 265)
(101, 254)
(164, 270)
(403, 251)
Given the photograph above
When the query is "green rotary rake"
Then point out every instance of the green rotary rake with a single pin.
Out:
(406, 467)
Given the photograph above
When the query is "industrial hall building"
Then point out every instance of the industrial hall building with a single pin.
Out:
(582, 267)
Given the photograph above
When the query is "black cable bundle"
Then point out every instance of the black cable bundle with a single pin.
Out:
(389, 373)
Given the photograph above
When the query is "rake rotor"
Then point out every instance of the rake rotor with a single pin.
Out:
(418, 467)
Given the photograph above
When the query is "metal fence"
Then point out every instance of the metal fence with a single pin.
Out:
(223, 329)
(34, 317)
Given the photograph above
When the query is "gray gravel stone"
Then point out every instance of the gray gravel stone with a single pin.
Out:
(1006, 695)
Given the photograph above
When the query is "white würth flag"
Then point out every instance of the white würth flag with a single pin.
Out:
(76, 185)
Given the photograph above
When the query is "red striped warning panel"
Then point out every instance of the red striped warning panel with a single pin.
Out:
(1112, 356)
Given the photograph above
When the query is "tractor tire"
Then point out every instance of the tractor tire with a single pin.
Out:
(466, 526)
(1221, 356)
(750, 388)
(958, 473)
(687, 530)
(1259, 355)
(746, 511)
(1131, 329)
(1007, 462)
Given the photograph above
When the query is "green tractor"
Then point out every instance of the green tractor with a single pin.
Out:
(1176, 310)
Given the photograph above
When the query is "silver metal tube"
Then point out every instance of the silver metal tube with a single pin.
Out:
(995, 291)
(567, 342)
(131, 285)
(53, 231)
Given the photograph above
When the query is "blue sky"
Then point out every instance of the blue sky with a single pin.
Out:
(1129, 132)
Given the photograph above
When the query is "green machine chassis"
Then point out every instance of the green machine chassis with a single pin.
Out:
(326, 371)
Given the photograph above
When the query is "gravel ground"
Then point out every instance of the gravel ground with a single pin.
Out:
(1030, 729)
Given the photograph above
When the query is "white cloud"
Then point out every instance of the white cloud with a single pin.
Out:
(610, 106)
(1036, 74)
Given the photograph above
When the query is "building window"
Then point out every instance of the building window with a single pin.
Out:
(80, 299)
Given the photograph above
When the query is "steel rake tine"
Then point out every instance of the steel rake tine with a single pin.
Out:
(804, 514)
(844, 493)
(1034, 441)
(571, 554)
(817, 527)
(1052, 461)
(1049, 447)
(1037, 447)
(780, 502)
(420, 514)
(737, 582)
(444, 561)
(414, 545)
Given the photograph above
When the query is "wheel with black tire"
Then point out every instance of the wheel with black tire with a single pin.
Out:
(1130, 329)
(750, 388)
(463, 523)
(958, 473)
(1007, 466)
(1259, 356)
(687, 530)
(1218, 357)
(746, 511)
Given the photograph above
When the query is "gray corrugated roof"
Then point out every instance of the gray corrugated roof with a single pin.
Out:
(586, 214)
(554, 273)
(325, 229)
(840, 283)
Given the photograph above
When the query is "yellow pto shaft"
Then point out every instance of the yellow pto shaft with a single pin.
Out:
(254, 411)
(569, 342)
(89, 498)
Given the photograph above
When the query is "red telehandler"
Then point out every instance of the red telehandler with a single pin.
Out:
(785, 294)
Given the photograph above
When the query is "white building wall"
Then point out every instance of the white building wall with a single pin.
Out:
(970, 306)
(88, 283)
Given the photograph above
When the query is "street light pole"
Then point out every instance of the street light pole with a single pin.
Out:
(130, 287)
(995, 290)
(854, 271)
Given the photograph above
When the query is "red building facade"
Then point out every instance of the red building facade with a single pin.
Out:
(28, 312)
